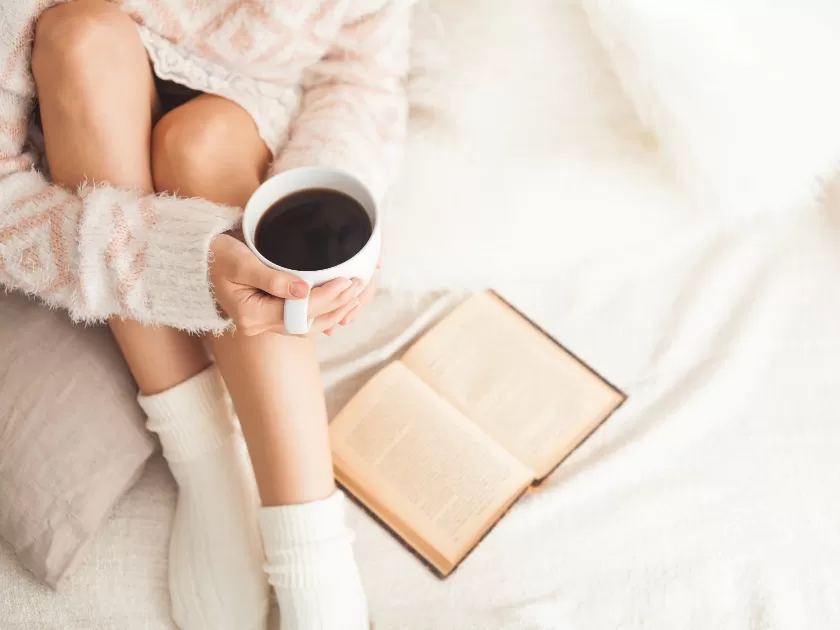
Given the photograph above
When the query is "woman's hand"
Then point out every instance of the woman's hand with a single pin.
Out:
(354, 308)
(252, 295)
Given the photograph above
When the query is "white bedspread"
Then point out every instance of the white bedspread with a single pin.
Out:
(708, 501)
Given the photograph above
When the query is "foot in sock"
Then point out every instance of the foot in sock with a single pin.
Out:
(216, 579)
(310, 563)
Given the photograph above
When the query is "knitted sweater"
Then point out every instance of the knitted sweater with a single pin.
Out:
(323, 81)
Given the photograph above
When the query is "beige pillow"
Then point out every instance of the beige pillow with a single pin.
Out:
(71, 435)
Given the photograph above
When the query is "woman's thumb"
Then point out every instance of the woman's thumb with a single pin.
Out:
(277, 283)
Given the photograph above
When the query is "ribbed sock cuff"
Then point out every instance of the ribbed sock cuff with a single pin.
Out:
(307, 544)
(290, 525)
(191, 418)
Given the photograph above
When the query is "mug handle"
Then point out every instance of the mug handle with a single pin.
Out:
(296, 316)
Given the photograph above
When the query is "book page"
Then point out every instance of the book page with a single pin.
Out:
(528, 393)
(431, 475)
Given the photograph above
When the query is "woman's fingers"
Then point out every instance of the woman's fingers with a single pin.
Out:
(352, 313)
(336, 296)
(364, 298)
(332, 296)
(327, 323)
(345, 299)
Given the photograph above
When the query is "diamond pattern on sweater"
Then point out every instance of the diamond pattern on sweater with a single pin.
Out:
(36, 237)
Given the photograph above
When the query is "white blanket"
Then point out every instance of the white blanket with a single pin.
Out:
(708, 501)
(543, 134)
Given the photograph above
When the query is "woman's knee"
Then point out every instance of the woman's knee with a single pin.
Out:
(79, 39)
(203, 144)
(183, 150)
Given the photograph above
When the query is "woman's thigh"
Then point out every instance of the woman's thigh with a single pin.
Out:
(97, 101)
(208, 148)
(96, 94)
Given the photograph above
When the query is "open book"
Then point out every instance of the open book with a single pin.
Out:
(439, 444)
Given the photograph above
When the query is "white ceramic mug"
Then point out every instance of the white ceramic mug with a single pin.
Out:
(363, 265)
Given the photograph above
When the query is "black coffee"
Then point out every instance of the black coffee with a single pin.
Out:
(313, 229)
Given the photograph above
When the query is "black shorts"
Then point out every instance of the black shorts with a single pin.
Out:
(173, 94)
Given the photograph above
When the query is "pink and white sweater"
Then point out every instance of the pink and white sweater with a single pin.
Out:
(323, 81)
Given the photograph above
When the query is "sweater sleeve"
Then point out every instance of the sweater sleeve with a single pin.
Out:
(354, 107)
(101, 252)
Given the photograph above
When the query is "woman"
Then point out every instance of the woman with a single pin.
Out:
(159, 119)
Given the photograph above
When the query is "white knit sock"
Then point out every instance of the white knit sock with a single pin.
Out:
(311, 566)
(215, 559)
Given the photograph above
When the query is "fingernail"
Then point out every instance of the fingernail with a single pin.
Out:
(359, 289)
(345, 285)
(299, 289)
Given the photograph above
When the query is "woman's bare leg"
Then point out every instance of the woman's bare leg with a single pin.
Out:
(96, 110)
(275, 383)
(210, 148)
(97, 103)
